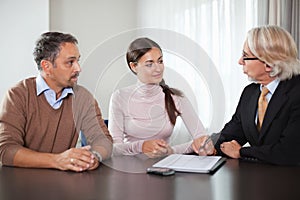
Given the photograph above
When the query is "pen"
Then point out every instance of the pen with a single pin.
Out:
(202, 148)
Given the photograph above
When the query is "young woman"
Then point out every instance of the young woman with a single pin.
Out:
(142, 116)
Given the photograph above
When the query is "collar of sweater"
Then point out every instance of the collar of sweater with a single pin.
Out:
(147, 90)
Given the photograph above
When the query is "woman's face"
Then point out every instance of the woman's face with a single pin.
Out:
(150, 67)
(256, 70)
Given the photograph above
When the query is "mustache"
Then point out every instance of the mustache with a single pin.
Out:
(75, 75)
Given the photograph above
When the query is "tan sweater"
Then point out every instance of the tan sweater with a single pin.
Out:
(27, 120)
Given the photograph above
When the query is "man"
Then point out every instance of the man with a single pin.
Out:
(270, 60)
(42, 117)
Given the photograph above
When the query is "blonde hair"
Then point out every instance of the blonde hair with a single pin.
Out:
(276, 47)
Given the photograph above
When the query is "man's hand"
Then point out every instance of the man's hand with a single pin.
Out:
(76, 159)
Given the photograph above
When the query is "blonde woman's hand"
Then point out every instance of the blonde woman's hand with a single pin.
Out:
(231, 149)
(203, 146)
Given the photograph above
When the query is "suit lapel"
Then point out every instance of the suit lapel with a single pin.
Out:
(277, 101)
(252, 108)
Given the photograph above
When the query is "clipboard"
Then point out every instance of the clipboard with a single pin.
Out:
(191, 163)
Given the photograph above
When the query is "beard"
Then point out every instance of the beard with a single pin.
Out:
(252, 79)
(73, 80)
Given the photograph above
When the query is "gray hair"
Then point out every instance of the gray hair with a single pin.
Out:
(48, 46)
(277, 48)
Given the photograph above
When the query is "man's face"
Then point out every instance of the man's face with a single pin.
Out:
(65, 71)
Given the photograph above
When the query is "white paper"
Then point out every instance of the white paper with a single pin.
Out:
(189, 163)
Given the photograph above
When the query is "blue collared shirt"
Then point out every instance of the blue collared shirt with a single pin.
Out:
(42, 87)
(271, 87)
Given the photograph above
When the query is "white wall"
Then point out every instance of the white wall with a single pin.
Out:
(93, 23)
(105, 29)
(21, 24)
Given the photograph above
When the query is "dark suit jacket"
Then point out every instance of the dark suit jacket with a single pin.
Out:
(279, 139)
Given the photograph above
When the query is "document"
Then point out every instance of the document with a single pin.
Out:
(191, 163)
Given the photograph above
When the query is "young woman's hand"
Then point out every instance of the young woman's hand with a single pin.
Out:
(156, 148)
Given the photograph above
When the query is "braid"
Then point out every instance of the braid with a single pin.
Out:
(169, 101)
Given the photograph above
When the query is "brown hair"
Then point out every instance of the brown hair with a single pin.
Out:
(136, 50)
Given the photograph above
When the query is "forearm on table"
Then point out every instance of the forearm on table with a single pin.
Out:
(28, 158)
(183, 148)
(131, 148)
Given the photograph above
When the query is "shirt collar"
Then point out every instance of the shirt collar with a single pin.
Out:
(272, 85)
(42, 86)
